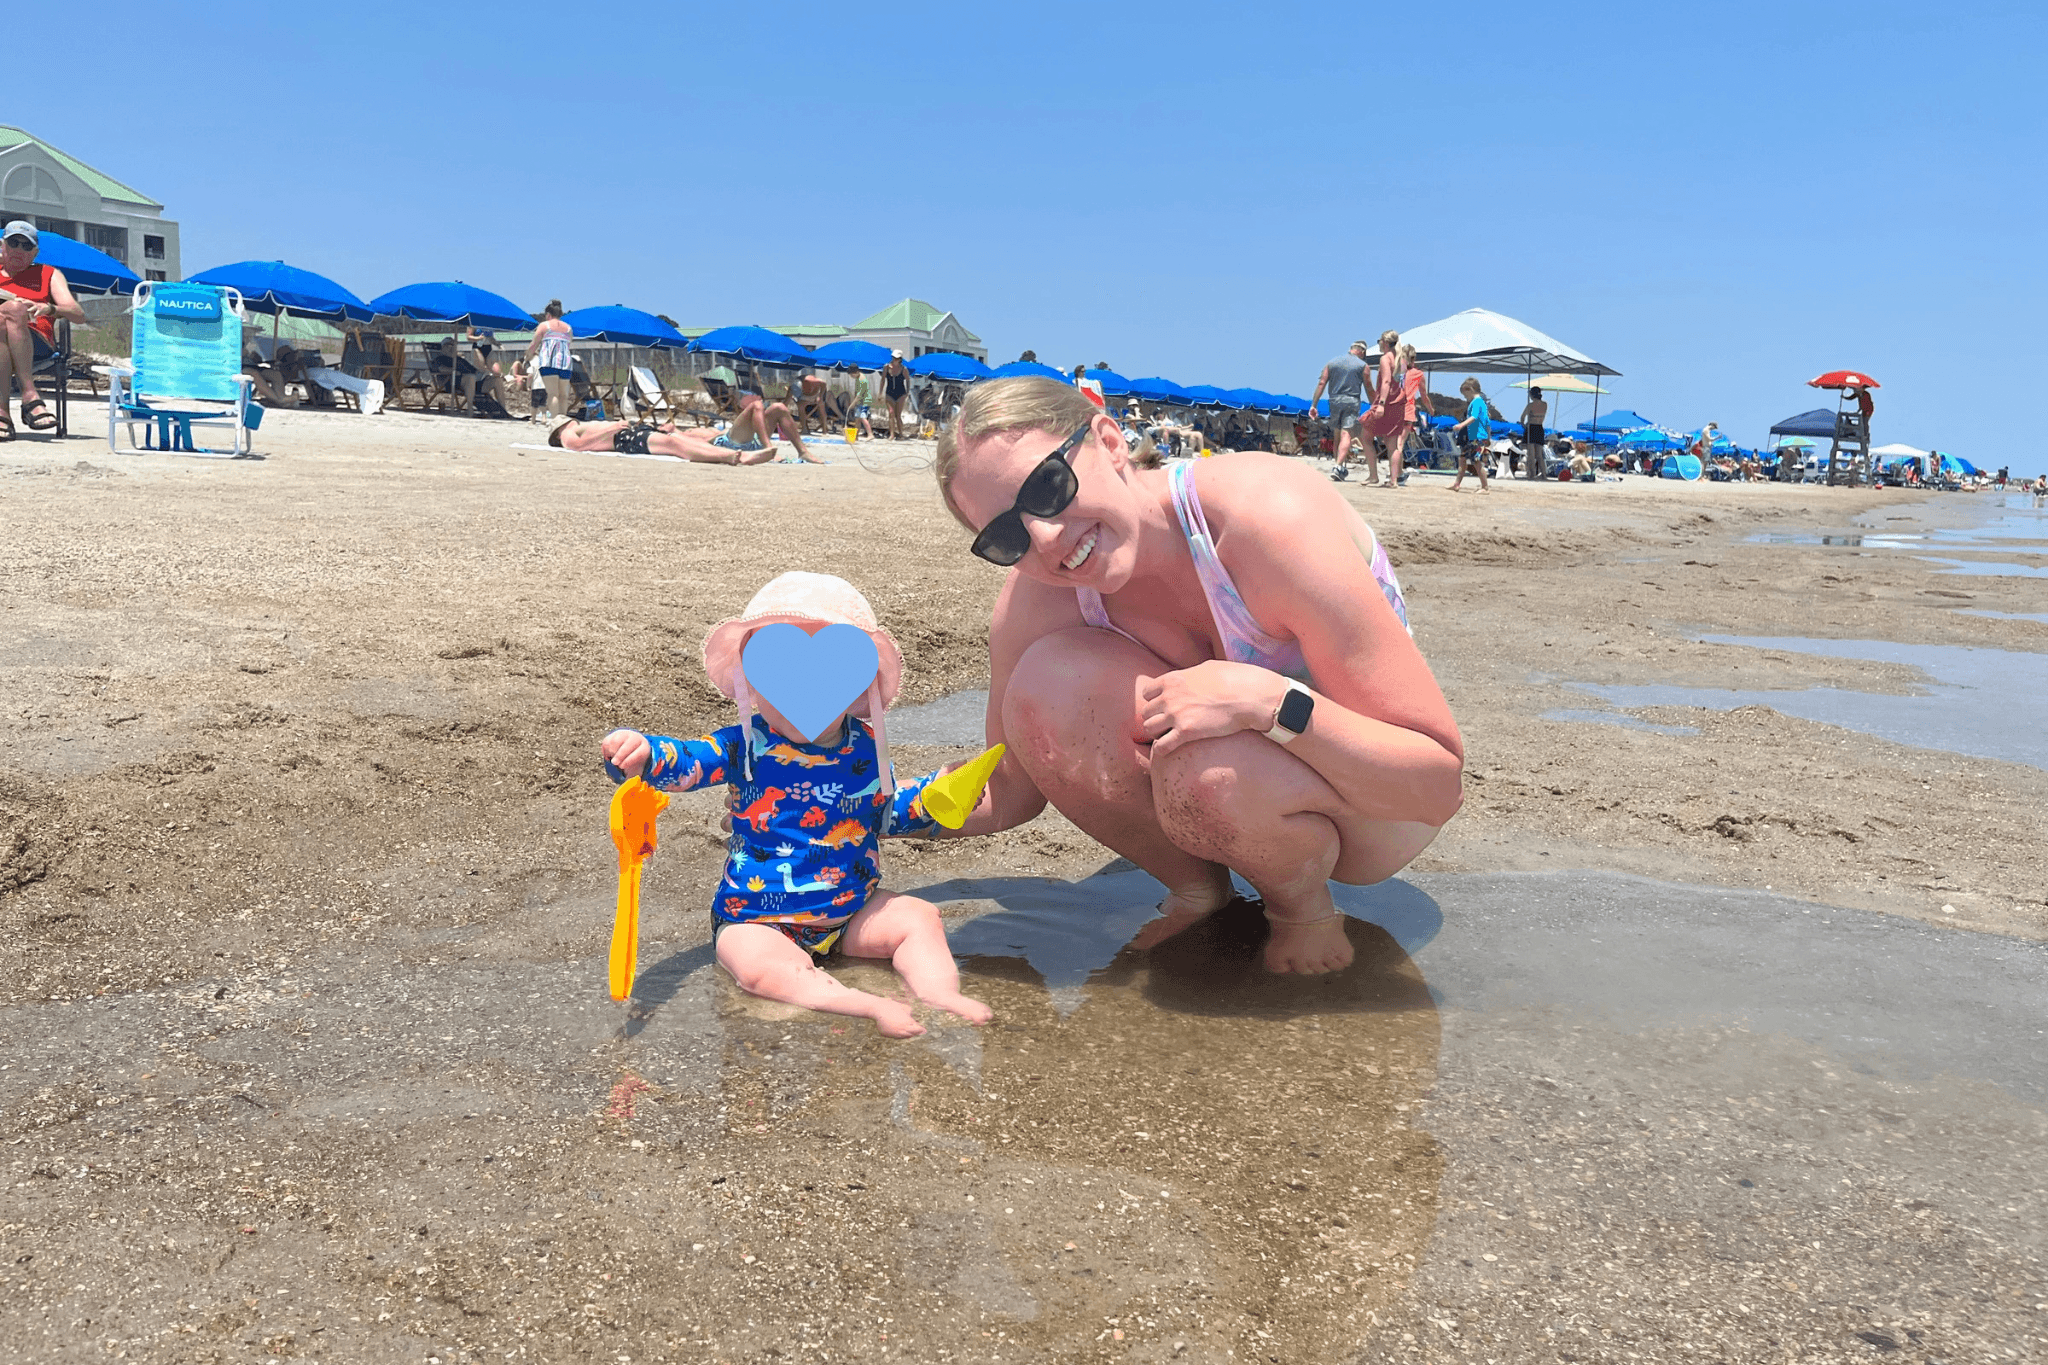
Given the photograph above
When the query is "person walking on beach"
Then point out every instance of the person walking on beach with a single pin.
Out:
(895, 392)
(863, 399)
(1392, 415)
(1345, 379)
(1471, 436)
(549, 349)
(1533, 413)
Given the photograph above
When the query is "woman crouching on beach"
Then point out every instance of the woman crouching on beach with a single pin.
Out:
(1206, 667)
(645, 438)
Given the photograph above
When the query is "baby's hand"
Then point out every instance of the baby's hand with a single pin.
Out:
(626, 750)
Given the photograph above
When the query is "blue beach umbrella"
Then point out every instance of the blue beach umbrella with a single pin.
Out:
(624, 326)
(755, 343)
(1647, 439)
(1209, 395)
(1029, 367)
(1158, 390)
(1113, 384)
(949, 365)
(273, 286)
(842, 355)
(452, 301)
(1256, 400)
(87, 268)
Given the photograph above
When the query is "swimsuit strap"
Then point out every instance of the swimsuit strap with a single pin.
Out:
(1243, 639)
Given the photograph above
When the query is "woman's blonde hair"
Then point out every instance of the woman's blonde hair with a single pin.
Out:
(1025, 403)
(1389, 340)
(1406, 354)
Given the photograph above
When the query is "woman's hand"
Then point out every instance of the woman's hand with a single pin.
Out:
(1208, 701)
(626, 750)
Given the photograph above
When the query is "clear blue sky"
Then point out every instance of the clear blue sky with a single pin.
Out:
(1721, 201)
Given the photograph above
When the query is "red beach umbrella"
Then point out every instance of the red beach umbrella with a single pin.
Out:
(1844, 379)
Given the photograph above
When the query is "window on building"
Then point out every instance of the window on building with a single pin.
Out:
(63, 227)
(152, 247)
(34, 184)
(154, 274)
(112, 240)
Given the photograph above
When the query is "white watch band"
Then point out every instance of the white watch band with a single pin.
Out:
(1280, 734)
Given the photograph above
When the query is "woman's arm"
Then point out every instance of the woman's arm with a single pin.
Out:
(1025, 613)
(1381, 732)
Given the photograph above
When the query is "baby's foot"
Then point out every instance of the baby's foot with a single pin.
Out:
(1310, 947)
(895, 1020)
(966, 1006)
(1183, 909)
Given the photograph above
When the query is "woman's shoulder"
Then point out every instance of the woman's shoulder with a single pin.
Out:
(1255, 486)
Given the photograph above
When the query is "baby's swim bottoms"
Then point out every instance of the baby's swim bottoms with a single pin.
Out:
(816, 939)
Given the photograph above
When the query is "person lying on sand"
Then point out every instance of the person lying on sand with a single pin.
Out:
(646, 438)
(803, 866)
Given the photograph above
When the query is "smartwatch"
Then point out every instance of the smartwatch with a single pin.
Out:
(1292, 719)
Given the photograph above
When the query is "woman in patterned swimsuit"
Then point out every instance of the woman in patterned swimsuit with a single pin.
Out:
(644, 438)
(1145, 642)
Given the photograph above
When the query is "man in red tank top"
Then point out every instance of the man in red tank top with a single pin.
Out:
(32, 298)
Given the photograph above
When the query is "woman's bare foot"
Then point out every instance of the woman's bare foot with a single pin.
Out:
(894, 1019)
(1309, 947)
(1183, 909)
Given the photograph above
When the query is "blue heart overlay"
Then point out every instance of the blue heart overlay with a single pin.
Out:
(810, 679)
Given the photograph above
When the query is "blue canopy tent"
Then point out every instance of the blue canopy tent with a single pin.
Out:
(1619, 421)
(624, 326)
(89, 270)
(1648, 439)
(844, 355)
(1208, 395)
(451, 301)
(755, 343)
(1158, 390)
(949, 365)
(1024, 367)
(274, 287)
(1820, 422)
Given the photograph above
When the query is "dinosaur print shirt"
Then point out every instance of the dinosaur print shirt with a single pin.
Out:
(805, 826)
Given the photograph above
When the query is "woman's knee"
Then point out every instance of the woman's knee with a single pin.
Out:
(1058, 685)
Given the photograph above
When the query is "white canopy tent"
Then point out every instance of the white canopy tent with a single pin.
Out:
(1481, 341)
(1899, 450)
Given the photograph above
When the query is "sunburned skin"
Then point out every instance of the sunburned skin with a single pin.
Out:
(1157, 747)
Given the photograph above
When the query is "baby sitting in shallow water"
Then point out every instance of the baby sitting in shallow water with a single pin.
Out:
(803, 868)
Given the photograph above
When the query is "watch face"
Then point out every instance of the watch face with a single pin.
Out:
(1295, 711)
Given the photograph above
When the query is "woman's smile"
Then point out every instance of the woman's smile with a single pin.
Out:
(1082, 550)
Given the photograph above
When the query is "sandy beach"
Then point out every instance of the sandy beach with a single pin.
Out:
(306, 891)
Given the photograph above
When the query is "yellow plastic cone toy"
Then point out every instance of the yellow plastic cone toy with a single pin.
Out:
(634, 808)
(952, 798)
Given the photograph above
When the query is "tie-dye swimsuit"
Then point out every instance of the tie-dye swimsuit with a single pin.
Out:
(804, 854)
(1243, 640)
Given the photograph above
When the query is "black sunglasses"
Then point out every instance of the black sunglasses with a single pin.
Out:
(1046, 492)
(22, 243)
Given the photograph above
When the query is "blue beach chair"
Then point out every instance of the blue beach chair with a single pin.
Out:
(184, 370)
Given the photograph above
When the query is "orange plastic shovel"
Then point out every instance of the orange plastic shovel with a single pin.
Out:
(634, 808)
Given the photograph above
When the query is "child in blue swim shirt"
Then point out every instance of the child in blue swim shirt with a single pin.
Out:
(803, 867)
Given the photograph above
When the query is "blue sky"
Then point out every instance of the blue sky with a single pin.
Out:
(1720, 201)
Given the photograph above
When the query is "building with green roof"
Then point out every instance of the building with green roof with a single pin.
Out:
(915, 328)
(59, 193)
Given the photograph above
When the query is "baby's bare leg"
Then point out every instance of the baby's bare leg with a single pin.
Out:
(766, 963)
(909, 933)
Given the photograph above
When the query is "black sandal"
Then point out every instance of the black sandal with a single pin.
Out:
(36, 415)
(6, 426)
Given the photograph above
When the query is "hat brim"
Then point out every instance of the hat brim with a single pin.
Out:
(723, 645)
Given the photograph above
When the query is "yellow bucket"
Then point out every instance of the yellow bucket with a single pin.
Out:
(852, 434)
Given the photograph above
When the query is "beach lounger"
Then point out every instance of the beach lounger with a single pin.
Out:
(644, 398)
(184, 370)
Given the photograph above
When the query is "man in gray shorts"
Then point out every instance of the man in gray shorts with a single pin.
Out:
(1345, 377)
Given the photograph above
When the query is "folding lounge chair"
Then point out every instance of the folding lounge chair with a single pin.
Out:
(645, 399)
(184, 370)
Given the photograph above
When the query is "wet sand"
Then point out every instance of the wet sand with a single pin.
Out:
(306, 894)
